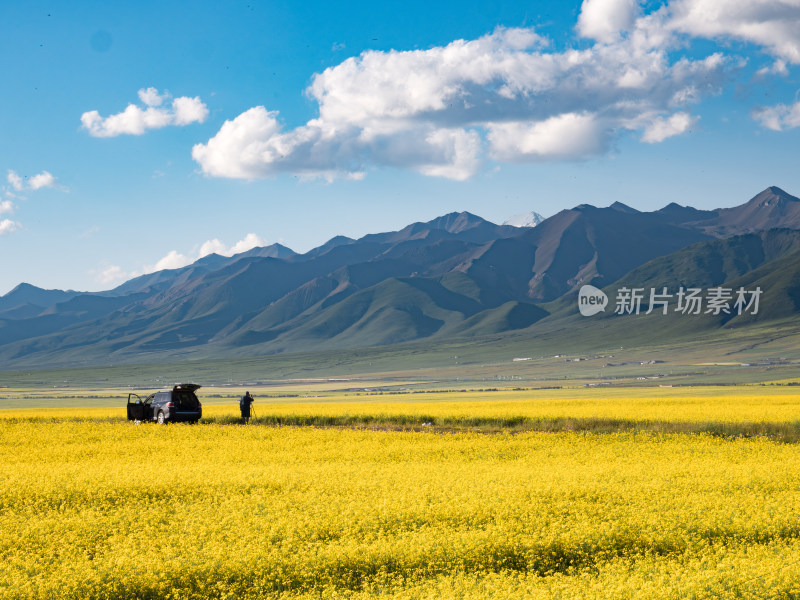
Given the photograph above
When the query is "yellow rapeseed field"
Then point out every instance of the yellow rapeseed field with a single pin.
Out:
(102, 508)
(732, 405)
(680, 404)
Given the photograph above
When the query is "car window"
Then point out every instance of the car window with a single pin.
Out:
(184, 399)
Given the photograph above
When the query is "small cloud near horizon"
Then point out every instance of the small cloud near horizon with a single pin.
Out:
(109, 274)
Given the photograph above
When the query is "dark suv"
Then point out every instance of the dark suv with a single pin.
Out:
(180, 404)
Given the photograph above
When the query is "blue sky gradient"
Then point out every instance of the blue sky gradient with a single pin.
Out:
(103, 209)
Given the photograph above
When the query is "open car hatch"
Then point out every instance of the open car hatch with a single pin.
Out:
(186, 387)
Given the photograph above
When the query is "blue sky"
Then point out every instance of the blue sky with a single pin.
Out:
(136, 136)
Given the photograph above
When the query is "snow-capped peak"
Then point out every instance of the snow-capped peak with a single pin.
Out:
(529, 219)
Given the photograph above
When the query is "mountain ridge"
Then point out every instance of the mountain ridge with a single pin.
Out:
(454, 276)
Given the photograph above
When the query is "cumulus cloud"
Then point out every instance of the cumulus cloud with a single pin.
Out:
(17, 186)
(606, 20)
(150, 97)
(8, 226)
(188, 110)
(772, 24)
(570, 135)
(176, 260)
(777, 68)
(136, 120)
(108, 274)
(173, 260)
(250, 241)
(509, 96)
(661, 128)
(15, 180)
(42, 180)
(440, 111)
(779, 117)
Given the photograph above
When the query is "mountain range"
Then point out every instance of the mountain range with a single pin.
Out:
(458, 276)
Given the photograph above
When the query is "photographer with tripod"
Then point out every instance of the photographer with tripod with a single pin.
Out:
(245, 406)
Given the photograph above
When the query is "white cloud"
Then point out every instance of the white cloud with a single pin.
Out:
(508, 96)
(211, 247)
(114, 274)
(42, 180)
(454, 154)
(250, 241)
(776, 68)
(661, 128)
(8, 226)
(135, 120)
(188, 110)
(436, 111)
(173, 260)
(570, 136)
(242, 147)
(771, 24)
(779, 117)
(45, 179)
(606, 20)
(110, 274)
(151, 97)
(176, 260)
(21, 184)
(15, 180)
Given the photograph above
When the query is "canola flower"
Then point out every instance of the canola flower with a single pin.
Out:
(681, 404)
(106, 509)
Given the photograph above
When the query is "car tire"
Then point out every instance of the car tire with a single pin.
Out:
(160, 418)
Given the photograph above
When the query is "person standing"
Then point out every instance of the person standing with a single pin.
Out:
(244, 406)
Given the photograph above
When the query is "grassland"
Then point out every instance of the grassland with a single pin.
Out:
(92, 506)
(562, 355)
